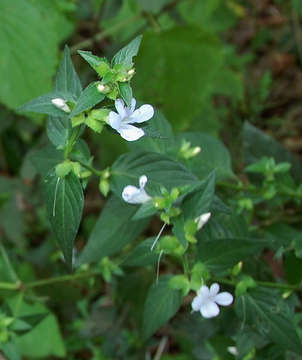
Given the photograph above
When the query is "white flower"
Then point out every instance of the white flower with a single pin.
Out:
(61, 104)
(207, 299)
(202, 219)
(134, 195)
(125, 116)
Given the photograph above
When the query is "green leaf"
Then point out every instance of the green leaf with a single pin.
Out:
(179, 229)
(88, 99)
(43, 105)
(161, 304)
(160, 170)
(161, 145)
(213, 15)
(145, 210)
(11, 350)
(46, 159)
(30, 60)
(113, 230)
(199, 201)
(213, 156)
(257, 144)
(64, 205)
(142, 255)
(67, 81)
(126, 54)
(7, 272)
(220, 254)
(153, 6)
(95, 62)
(268, 313)
(45, 339)
(126, 92)
(58, 130)
(58, 17)
(176, 69)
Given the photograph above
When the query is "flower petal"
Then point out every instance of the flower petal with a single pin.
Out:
(114, 120)
(224, 299)
(133, 104)
(120, 107)
(143, 181)
(204, 292)
(129, 193)
(133, 195)
(144, 113)
(214, 289)
(130, 132)
(197, 303)
(209, 310)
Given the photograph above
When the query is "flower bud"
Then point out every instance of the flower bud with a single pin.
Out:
(63, 169)
(131, 72)
(202, 220)
(104, 187)
(103, 88)
(61, 104)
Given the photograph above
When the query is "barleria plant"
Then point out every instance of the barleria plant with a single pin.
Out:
(201, 262)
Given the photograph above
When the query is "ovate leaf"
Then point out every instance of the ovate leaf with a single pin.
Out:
(28, 46)
(88, 99)
(142, 255)
(45, 159)
(113, 230)
(159, 169)
(161, 304)
(220, 254)
(161, 145)
(126, 54)
(58, 130)
(213, 156)
(177, 68)
(43, 105)
(267, 312)
(64, 205)
(199, 201)
(126, 92)
(257, 144)
(67, 81)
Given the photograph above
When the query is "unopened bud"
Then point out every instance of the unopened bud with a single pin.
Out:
(131, 72)
(103, 88)
(61, 104)
(202, 220)
(196, 150)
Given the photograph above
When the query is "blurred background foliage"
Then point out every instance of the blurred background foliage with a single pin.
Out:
(209, 65)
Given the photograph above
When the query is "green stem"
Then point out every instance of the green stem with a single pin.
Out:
(251, 188)
(281, 286)
(59, 279)
(103, 34)
(72, 141)
(10, 286)
(91, 169)
(185, 264)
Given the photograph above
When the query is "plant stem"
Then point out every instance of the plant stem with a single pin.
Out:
(185, 264)
(281, 286)
(10, 286)
(59, 279)
(72, 141)
(103, 34)
(90, 168)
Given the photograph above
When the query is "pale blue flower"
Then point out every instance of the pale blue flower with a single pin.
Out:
(125, 116)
